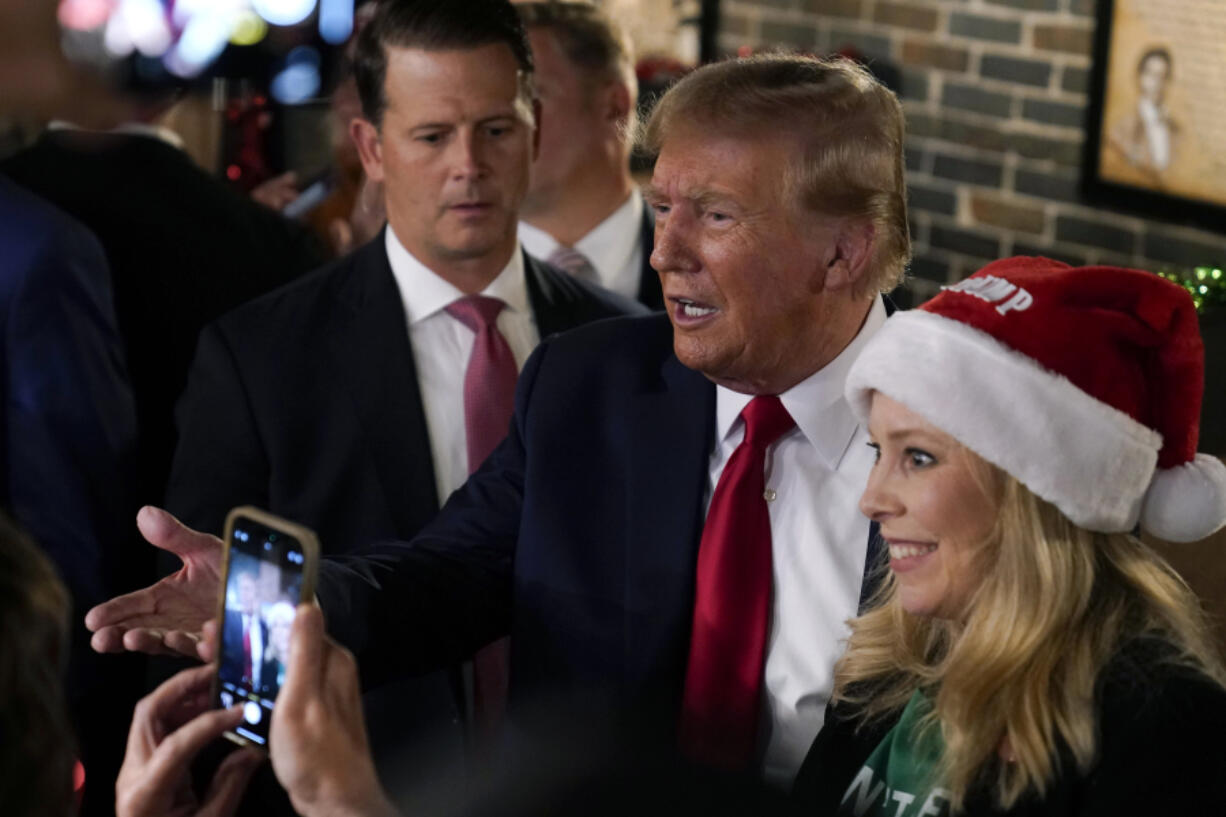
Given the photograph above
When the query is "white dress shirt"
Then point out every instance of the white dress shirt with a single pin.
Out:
(442, 345)
(819, 542)
(614, 247)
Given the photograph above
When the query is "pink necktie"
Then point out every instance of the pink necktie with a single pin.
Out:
(575, 263)
(489, 398)
(723, 680)
(489, 382)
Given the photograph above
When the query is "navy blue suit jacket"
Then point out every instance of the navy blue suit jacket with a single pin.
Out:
(578, 536)
(69, 423)
(67, 441)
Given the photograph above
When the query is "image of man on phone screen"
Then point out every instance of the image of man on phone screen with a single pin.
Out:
(246, 633)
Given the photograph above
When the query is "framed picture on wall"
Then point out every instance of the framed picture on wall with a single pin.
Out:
(1156, 127)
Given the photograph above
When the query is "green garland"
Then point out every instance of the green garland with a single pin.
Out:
(1206, 285)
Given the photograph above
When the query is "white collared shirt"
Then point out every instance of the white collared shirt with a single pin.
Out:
(614, 247)
(819, 541)
(442, 345)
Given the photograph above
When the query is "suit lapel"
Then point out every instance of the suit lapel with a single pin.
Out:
(674, 420)
(551, 296)
(371, 352)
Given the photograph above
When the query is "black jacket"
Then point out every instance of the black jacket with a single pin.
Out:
(1161, 749)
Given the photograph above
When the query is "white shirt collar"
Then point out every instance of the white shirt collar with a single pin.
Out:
(608, 245)
(815, 403)
(424, 293)
(132, 128)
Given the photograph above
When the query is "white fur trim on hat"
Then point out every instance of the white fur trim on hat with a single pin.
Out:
(1089, 459)
(1187, 502)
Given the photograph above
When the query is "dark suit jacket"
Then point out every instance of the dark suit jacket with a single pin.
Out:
(1160, 750)
(650, 293)
(68, 420)
(183, 249)
(306, 402)
(67, 434)
(578, 536)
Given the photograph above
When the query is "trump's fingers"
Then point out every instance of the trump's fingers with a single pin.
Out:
(120, 609)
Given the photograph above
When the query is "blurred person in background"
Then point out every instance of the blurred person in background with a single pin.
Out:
(36, 739)
(183, 249)
(583, 212)
(350, 212)
(67, 440)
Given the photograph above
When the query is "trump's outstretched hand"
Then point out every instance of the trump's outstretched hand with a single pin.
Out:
(318, 742)
(166, 617)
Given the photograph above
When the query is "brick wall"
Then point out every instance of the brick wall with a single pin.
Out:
(995, 96)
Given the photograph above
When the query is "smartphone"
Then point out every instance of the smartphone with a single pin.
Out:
(270, 566)
(314, 190)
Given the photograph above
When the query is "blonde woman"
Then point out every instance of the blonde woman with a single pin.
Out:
(1026, 654)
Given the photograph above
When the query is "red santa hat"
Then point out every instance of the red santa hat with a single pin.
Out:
(1083, 383)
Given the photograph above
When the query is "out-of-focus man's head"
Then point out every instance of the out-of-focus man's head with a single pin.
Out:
(588, 92)
(36, 742)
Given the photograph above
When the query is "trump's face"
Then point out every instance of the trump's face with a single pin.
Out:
(742, 267)
(248, 598)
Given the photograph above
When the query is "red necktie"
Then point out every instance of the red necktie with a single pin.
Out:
(723, 680)
(248, 673)
(489, 398)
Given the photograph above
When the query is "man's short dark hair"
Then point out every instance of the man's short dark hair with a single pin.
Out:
(432, 25)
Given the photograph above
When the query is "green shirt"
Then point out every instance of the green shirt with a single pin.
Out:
(896, 780)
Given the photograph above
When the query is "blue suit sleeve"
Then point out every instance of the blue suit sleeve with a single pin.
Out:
(418, 606)
(69, 417)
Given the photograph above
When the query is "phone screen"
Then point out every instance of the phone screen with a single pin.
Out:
(264, 580)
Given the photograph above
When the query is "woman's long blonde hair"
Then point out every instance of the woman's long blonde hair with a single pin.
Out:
(1055, 604)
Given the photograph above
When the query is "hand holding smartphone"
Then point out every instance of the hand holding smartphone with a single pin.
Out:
(269, 568)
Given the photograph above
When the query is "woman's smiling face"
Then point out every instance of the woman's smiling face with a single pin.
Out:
(930, 496)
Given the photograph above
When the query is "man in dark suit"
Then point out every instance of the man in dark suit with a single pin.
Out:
(68, 431)
(182, 247)
(583, 210)
(244, 635)
(340, 400)
(671, 524)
